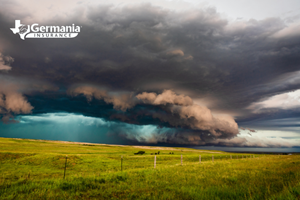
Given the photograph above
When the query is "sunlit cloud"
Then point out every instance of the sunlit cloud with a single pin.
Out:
(287, 100)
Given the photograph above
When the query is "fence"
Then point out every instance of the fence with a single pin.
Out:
(154, 161)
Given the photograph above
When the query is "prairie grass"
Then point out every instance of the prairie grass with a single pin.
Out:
(34, 169)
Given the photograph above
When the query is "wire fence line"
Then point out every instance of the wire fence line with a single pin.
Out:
(74, 165)
(154, 161)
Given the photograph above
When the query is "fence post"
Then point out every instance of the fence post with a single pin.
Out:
(121, 163)
(231, 157)
(181, 159)
(213, 158)
(200, 159)
(237, 157)
(65, 167)
(154, 162)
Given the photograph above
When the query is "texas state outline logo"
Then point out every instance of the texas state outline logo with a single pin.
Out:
(36, 31)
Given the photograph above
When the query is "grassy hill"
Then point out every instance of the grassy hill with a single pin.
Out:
(34, 169)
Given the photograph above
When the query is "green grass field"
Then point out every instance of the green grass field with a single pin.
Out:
(34, 169)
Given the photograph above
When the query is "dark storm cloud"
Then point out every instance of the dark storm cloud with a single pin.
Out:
(273, 119)
(145, 49)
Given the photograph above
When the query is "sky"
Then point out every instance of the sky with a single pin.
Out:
(174, 73)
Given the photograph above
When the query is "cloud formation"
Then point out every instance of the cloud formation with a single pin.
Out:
(12, 99)
(255, 142)
(144, 64)
(177, 111)
(5, 61)
(287, 100)
(119, 101)
(167, 97)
